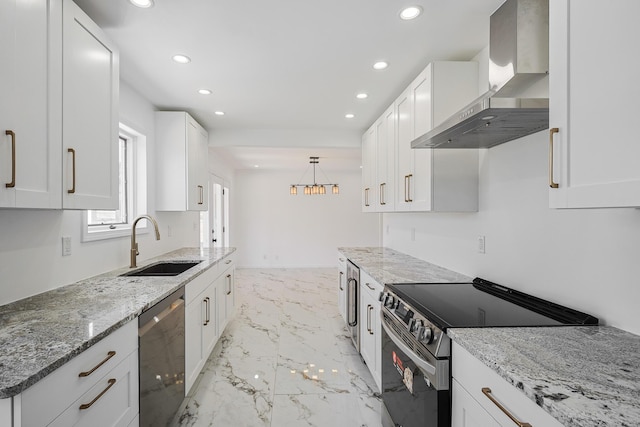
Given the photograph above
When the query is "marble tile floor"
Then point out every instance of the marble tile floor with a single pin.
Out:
(285, 359)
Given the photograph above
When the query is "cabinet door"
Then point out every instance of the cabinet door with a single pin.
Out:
(195, 315)
(197, 152)
(595, 154)
(342, 287)
(419, 184)
(385, 161)
(369, 199)
(89, 113)
(404, 153)
(466, 412)
(230, 297)
(367, 333)
(30, 152)
(210, 325)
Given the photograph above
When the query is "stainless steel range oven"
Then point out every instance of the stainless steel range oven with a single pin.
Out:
(416, 351)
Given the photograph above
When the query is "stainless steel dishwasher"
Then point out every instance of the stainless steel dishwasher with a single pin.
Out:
(161, 351)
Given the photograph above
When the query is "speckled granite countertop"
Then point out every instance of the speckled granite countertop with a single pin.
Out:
(583, 376)
(388, 266)
(41, 333)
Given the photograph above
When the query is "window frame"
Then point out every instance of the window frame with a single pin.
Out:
(136, 191)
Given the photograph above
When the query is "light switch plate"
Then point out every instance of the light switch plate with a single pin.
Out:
(66, 245)
(481, 245)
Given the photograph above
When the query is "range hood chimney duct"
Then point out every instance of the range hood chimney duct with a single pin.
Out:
(517, 102)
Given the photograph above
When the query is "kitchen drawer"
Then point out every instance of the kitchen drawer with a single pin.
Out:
(113, 400)
(200, 283)
(473, 376)
(43, 401)
(342, 262)
(227, 263)
(369, 285)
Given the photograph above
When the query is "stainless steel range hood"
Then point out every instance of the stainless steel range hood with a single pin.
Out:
(517, 103)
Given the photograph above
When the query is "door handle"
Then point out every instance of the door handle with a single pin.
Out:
(552, 131)
(353, 304)
(13, 159)
(487, 392)
(73, 170)
(201, 191)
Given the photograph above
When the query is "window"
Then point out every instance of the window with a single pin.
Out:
(132, 192)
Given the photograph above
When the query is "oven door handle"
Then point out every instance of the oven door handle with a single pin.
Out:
(420, 362)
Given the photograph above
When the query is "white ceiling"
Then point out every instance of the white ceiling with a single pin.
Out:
(285, 64)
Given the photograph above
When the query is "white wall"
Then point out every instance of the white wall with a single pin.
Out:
(31, 259)
(585, 259)
(275, 229)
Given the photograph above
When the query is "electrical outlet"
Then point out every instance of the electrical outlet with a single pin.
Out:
(481, 245)
(66, 245)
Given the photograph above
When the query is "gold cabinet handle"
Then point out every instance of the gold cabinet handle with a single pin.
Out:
(366, 196)
(369, 318)
(369, 286)
(201, 191)
(111, 382)
(551, 132)
(382, 187)
(73, 170)
(487, 392)
(87, 373)
(206, 311)
(228, 261)
(229, 284)
(407, 188)
(340, 280)
(13, 159)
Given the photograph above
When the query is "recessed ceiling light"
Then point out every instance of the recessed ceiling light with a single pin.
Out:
(411, 12)
(142, 3)
(219, 113)
(349, 116)
(362, 96)
(380, 65)
(204, 92)
(181, 59)
(256, 166)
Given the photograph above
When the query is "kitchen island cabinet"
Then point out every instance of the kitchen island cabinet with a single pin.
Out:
(370, 328)
(593, 148)
(342, 287)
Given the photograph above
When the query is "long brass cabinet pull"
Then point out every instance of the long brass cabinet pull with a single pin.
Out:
(340, 280)
(201, 195)
(382, 187)
(87, 373)
(111, 382)
(229, 284)
(551, 132)
(13, 158)
(369, 318)
(407, 188)
(487, 392)
(206, 311)
(366, 196)
(73, 170)
(370, 307)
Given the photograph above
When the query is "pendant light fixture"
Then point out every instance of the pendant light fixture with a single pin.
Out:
(315, 188)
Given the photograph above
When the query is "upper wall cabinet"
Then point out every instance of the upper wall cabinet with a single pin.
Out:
(594, 87)
(369, 199)
(435, 180)
(58, 109)
(30, 147)
(182, 173)
(385, 131)
(90, 103)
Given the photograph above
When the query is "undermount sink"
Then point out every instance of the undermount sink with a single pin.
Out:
(164, 269)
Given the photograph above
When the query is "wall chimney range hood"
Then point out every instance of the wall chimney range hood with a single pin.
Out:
(517, 103)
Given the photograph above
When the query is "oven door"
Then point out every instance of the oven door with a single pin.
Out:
(415, 387)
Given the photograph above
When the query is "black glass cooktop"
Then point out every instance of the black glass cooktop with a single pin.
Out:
(485, 304)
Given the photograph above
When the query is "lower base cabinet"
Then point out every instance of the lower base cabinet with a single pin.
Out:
(370, 328)
(105, 395)
(342, 286)
(210, 303)
(472, 407)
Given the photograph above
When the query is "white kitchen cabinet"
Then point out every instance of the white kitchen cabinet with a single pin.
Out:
(435, 180)
(594, 153)
(226, 293)
(201, 323)
(90, 113)
(370, 328)
(385, 128)
(30, 144)
(56, 400)
(369, 196)
(182, 151)
(342, 286)
(473, 383)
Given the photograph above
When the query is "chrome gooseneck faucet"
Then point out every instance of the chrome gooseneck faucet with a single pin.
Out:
(134, 245)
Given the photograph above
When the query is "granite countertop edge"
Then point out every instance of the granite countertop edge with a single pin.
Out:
(13, 314)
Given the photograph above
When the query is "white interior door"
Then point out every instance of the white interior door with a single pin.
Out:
(215, 226)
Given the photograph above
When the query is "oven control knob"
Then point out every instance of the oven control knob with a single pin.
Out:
(415, 325)
(381, 296)
(389, 301)
(426, 335)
